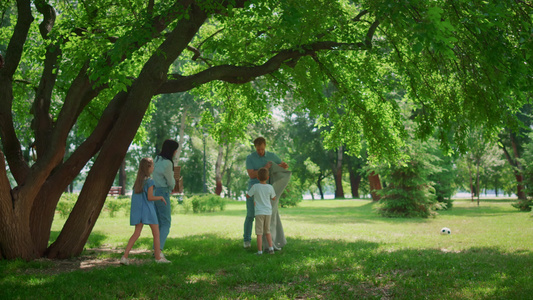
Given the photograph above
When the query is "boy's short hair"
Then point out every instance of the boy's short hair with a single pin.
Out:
(259, 141)
(262, 174)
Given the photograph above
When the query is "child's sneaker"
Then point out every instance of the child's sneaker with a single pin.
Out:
(271, 251)
(124, 261)
(162, 260)
(259, 253)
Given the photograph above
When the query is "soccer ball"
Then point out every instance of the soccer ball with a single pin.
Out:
(445, 230)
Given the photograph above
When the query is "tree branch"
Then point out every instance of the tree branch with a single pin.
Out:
(42, 121)
(370, 34)
(12, 148)
(239, 75)
(16, 44)
(73, 165)
(49, 14)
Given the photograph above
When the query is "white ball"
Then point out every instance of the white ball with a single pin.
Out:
(445, 230)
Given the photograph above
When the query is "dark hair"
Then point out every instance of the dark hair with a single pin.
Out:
(168, 148)
(260, 140)
(262, 174)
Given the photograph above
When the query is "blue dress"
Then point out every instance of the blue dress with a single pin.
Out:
(142, 210)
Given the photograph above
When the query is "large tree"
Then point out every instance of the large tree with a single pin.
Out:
(512, 141)
(99, 63)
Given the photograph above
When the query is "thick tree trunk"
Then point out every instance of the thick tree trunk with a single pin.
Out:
(319, 185)
(339, 190)
(355, 181)
(42, 216)
(337, 171)
(15, 236)
(354, 165)
(375, 185)
(228, 182)
(83, 217)
(218, 171)
(520, 191)
(517, 168)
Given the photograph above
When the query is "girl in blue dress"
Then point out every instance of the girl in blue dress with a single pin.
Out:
(143, 209)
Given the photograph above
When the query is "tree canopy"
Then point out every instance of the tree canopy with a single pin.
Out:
(98, 64)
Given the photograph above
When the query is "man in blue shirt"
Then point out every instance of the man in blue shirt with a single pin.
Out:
(254, 161)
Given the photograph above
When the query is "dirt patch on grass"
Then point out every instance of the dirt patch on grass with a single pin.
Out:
(90, 259)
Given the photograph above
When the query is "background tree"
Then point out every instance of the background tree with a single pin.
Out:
(355, 166)
(192, 167)
(311, 161)
(445, 176)
(527, 161)
(512, 140)
(409, 192)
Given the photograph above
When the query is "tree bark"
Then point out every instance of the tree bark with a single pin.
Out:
(218, 170)
(319, 185)
(355, 181)
(354, 164)
(375, 185)
(15, 238)
(13, 54)
(517, 168)
(337, 171)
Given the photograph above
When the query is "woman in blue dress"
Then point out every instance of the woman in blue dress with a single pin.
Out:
(143, 209)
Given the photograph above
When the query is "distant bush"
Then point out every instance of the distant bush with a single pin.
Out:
(66, 203)
(204, 203)
(523, 205)
(448, 203)
(291, 196)
(113, 205)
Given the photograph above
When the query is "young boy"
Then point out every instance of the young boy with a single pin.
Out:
(263, 194)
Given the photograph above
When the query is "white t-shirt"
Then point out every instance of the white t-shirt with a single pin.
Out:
(263, 194)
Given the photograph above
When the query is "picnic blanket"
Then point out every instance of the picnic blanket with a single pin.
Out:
(279, 178)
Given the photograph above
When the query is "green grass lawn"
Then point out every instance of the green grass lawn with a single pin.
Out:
(336, 250)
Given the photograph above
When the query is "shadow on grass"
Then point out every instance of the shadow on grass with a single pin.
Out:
(95, 240)
(480, 211)
(213, 267)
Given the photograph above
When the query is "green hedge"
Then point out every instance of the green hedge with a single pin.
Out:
(113, 205)
(203, 203)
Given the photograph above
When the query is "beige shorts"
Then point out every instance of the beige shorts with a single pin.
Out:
(262, 224)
